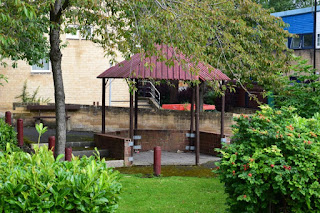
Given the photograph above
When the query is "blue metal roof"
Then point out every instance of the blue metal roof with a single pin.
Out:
(295, 12)
(300, 20)
(299, 24)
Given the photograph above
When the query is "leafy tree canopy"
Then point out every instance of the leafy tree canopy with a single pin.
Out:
(302, 91)
(284, 5)
(237, 36)
(22, 33)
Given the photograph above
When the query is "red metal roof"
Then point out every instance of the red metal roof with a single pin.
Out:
(135, 68)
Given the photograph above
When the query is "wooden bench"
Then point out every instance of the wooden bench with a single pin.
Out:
(42, 108)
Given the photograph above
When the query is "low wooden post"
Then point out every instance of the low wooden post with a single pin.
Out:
(68, 152)
(157, 161)
(8, 118)
(20, 132)
(52, 143)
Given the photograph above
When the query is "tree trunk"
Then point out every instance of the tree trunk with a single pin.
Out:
(55, 58)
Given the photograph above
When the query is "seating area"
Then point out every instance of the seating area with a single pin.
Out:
(47, 108)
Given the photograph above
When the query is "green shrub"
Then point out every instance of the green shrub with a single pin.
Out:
(273, 164)
(39, 183)
(7, 135)
(302, 93)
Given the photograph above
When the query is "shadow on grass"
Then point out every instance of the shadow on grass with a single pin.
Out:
(168, 171)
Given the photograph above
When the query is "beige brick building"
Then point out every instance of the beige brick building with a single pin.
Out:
(82, 62)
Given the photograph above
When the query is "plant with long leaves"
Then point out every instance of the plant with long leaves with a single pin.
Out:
(41, 130)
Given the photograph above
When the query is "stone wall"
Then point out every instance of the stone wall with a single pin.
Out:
(89, 118)
(308, 54)
(169, 140)
(208, 142)
(118, 146)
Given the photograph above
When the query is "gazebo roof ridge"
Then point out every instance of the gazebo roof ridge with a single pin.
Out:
(135, 68)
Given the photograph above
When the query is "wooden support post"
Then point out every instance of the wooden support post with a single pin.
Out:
(103, 106)
(131, 117)
(223, 105)
(197, 125)
(192, 118)
(136, 99)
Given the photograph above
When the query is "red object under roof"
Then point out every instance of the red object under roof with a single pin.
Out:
(135, 68)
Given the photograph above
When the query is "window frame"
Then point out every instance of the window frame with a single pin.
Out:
(78, 35)
(41, 71)
(318, 41)
(70, 36)
(303, 39)
(301, 42)
(91, 32)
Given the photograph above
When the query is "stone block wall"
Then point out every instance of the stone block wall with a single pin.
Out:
(118, 146)
(89, 118)
(208, 142)
(117, 118)
(169, 140)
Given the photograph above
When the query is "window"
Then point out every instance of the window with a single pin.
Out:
(74, 32)
(86, 32)
(303, 41)
(44, 68)
(307, 41)
(318, 40)
(295, 43)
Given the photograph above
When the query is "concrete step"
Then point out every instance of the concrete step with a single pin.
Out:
(115, 163)
(80, 144)
(88, 152)
(150, 103)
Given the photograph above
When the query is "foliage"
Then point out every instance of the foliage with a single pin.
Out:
(27, 98)
(3, 78)
(22, 34)
(238, 37)
(284, 5)
(7, 135)
(160, 194)
(273, 163)
(39, 183)
(41, 130)
(303, 92)
(209, 97)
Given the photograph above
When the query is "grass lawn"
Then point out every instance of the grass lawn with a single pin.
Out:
(171, 194)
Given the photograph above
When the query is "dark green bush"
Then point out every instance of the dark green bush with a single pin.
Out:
(303, 93)
(273, 164)
(7, 135)
(39, 183)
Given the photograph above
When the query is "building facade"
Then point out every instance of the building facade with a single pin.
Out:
(82, 62)
(301, 23)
